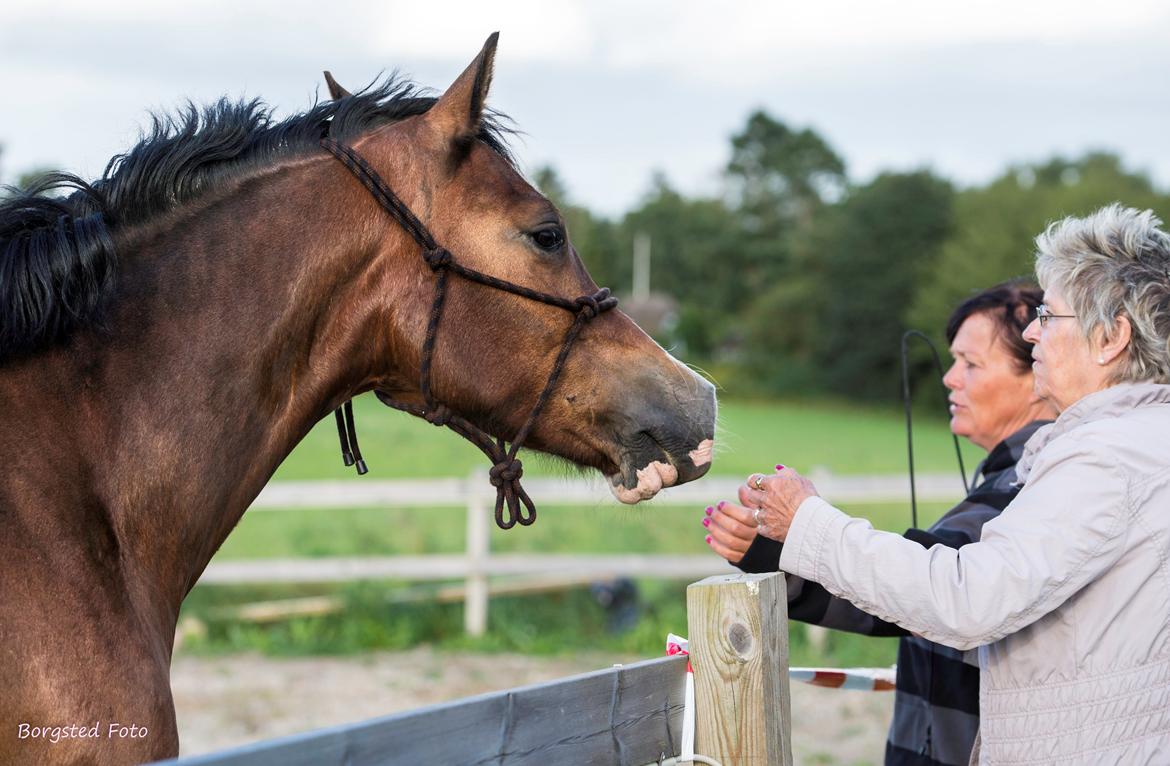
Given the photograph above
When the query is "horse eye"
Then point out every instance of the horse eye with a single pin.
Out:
(549, 239)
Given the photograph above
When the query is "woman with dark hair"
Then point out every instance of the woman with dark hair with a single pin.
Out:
(992, 403)
(1067, 592)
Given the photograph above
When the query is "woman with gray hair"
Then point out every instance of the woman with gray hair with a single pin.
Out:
(1067, 593)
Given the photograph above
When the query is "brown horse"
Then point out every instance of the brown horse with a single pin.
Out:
(170, 332)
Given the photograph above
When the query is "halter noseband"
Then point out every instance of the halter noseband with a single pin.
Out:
(506, 469)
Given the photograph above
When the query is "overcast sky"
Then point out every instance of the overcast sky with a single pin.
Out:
(608, 92)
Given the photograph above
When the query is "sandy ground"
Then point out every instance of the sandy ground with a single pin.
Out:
(232, 700)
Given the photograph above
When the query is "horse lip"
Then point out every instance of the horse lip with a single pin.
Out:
(637, 452)
(651, 479)
(632, 484)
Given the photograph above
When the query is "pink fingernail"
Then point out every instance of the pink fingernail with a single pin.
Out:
(779, 468)
(720, 505)
(708, 539)
(709, 510)
(706, 522)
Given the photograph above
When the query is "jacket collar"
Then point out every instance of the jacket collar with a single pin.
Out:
(1108, 403)
(1007, 453)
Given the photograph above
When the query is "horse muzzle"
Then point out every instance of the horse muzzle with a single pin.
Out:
(666, 445)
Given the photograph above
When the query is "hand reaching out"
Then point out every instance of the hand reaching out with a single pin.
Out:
(767, 505)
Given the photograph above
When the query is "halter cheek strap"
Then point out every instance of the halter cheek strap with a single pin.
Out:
(506, 468)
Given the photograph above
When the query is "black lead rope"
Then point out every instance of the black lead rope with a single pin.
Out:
(351, 453)
(351, 433)
(909, 427)
(506, 468)
(343, 435)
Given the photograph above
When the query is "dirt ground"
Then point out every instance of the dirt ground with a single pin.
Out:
(232, 700)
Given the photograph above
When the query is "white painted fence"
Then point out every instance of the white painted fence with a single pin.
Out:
(476, 566)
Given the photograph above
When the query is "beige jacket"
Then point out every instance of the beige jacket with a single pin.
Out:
(1067, 594)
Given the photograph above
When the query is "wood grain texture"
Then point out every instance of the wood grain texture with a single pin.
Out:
(623, 716)
(739, 651)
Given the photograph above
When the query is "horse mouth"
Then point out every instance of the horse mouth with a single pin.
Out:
(632, 485)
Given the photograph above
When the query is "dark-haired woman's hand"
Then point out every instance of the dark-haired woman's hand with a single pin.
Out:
(730, 530)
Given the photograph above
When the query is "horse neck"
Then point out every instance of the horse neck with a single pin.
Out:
(232, 333)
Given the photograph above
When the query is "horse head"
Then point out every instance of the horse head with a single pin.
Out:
(623, 405)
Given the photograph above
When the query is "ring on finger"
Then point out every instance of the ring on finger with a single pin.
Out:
(758, 482)
(756, 516)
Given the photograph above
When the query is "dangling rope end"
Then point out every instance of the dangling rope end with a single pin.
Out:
(346, 455)
(528, 504)
(500, 522)
(351, 454)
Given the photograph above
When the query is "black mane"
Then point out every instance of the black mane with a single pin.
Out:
(57, 257)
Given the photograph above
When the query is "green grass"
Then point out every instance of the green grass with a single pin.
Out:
(752, 436)
(558, 623)
(845, 438)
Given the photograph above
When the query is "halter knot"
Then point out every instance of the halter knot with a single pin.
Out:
(437, 258)
(439, 415)
(505, 472)
(589, 306)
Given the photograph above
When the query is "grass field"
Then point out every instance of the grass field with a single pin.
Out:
(845, 438)
(752, 436)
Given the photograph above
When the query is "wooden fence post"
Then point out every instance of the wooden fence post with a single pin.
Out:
(475, 597)
(739, 651)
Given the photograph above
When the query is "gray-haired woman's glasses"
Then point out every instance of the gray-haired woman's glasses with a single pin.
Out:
(1043, 313)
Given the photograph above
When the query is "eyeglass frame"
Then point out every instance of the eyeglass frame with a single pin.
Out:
(1043, 314)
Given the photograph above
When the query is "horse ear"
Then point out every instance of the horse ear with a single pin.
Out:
(335, 89)
(457, 113)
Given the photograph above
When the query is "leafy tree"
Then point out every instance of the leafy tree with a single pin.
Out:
(995, 226)
(881, 243)
(778, 175)
(696, 258)
(780, 182)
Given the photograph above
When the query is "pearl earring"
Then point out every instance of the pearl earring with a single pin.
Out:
(1101, 360)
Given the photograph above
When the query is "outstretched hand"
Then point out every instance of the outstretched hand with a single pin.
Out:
(731, 530)
(767, 505)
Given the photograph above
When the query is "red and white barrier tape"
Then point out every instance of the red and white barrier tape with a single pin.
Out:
(860, 679)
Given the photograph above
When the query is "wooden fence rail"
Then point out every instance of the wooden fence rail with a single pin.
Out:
(623, 715)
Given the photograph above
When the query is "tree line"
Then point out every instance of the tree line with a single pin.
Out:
(794, 280)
